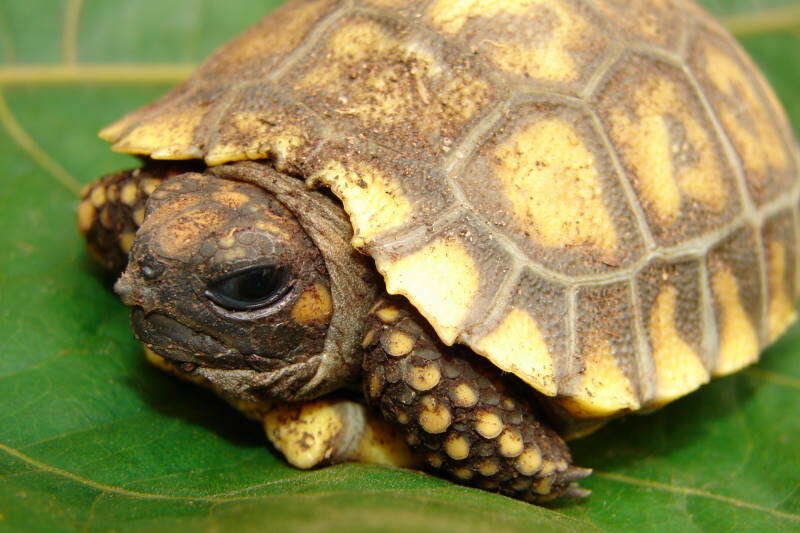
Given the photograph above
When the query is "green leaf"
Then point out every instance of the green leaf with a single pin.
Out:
(91, 438)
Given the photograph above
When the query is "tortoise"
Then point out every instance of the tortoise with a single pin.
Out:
(506, 222)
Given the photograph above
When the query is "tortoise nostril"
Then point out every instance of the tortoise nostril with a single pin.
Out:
(124, 289)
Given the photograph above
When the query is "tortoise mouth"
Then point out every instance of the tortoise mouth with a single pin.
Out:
(263, 377)
(173, 340)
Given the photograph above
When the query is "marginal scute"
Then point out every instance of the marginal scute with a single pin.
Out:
(257, 140)
(782, 311)
(169, 135)
(738, 342)
(745, 116)
(603, 389)
(374, 201)
(517, 345)
(601, 378)
(780, 248)
(182, 125)
(441, 280)
(678, 367)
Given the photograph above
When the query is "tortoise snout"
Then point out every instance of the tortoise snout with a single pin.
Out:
(134, 294)
(124, 290)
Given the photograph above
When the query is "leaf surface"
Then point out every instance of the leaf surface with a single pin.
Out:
(92, 439)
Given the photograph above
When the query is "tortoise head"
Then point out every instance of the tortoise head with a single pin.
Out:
(223, 280)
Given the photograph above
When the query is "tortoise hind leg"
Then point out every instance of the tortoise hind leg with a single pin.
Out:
(112, 209)
(457, 411)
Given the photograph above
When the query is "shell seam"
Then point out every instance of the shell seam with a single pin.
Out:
(309, 42)
(624, 181)
(751, 213)
(644, 356)
(710, 327)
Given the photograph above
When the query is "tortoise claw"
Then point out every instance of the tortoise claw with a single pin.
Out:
(574, 491)
(574, 473)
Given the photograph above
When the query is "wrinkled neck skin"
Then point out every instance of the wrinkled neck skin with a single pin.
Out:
(182, 326)
(355, 287)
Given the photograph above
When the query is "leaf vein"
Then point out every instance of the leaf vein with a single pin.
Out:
(773, 377)
(69, 32)
(689, 491)
(39, 156)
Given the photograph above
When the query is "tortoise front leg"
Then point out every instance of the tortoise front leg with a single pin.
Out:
(335, 430)
(314, 433)
(112, 209)
(455, 409)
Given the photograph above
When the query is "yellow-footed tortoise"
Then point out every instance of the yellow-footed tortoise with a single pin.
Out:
(583, 208)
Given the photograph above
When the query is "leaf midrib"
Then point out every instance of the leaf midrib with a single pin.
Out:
(233, 496)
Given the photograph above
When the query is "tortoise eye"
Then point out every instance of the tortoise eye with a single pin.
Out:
(250, 288)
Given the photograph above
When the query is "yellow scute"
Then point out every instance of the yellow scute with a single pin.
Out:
(603, 388)
(166, 136)
(441, 280)
(678, 368)
(549, 56)
(781, 311)
(258, 142)
(552, 182)
(517, 346)
(374, 202)
(114, 131)
(667, 169)
(738, 343)
(757, 140)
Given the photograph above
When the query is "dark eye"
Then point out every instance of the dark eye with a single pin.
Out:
(250, 288)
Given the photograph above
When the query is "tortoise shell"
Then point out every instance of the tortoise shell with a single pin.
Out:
(599, 196)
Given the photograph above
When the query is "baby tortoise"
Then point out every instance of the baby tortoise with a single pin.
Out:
(583, 208)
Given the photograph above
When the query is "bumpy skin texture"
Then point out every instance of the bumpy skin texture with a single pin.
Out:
(110, 212)
(113, 207)
(459, 413)
(199, 228)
